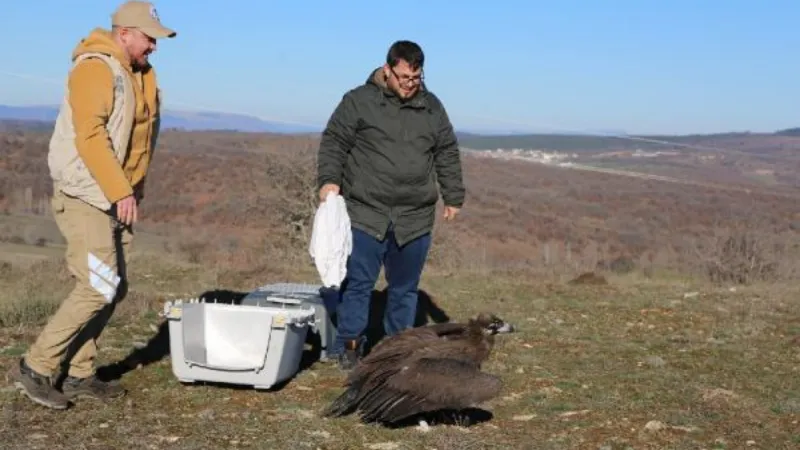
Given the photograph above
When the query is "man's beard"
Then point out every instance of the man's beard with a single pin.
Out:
(402, 96)
(140, 65)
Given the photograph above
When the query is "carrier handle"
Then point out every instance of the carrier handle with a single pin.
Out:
(226, 368)
(284, 300)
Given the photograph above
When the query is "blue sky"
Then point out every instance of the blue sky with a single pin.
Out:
(643, 66)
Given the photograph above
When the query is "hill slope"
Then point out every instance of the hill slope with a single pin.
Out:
(229, 195)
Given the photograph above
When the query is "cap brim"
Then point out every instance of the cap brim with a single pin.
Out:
(158, 32)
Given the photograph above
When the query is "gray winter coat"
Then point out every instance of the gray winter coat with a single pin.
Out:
(387, 156)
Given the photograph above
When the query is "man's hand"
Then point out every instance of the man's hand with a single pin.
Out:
(127, 211)
(450, 212)
(329, 187)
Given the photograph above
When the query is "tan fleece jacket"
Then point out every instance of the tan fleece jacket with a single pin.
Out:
(91, 90)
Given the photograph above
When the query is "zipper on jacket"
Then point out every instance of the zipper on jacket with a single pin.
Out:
(404, 121)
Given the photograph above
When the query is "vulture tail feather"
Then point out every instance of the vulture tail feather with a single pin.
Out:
(345, 403)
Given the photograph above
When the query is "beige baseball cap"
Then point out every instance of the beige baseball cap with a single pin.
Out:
(142, 16)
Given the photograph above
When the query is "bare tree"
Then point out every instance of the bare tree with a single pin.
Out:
(292, 174)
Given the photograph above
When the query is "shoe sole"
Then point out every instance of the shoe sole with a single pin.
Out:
(83, 396)
(21, 387)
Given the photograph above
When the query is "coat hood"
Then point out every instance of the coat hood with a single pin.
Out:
(100, 40)
(377, 79)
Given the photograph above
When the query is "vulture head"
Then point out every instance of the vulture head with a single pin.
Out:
(491, 324)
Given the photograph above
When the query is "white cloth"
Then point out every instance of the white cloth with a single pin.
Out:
(331, 240)
(236, 339)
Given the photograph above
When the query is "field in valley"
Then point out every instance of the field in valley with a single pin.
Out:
(687, 336)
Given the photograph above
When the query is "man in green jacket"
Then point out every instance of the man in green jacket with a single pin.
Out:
(386, 146)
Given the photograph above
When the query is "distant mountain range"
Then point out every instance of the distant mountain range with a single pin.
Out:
(186, 120)
(193, 121)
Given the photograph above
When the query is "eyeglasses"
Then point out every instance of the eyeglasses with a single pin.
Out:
(408, 80)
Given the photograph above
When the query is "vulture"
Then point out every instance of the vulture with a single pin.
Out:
(424, 370)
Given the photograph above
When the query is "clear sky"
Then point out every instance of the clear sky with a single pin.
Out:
(643, 66)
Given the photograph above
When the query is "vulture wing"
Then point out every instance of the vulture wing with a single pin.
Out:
(393, 349)
(389, 360)
(385, 359)
(425, 385)
(403, 344)
(447, 328)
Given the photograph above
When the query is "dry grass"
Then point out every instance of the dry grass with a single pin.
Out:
(687, 336)
(635, 363)
(232, 197)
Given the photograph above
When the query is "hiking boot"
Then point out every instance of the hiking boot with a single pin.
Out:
(349, 357)
(91, 387)
(347, 360)
(37, 387)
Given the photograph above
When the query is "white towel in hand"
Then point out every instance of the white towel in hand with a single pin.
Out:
(331, 240)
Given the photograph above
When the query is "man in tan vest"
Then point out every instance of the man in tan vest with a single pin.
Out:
(99, 155)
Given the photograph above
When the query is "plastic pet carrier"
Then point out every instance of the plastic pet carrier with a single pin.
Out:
(258, 342)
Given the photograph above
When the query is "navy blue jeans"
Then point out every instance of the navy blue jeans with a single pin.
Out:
(402, 268)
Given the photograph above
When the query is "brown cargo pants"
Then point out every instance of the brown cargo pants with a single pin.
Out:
(97, 253)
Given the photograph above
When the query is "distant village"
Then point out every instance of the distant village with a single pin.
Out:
(562, 159)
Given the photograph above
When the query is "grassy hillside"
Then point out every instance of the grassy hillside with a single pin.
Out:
(228, 196)
(635, 363)
(684, 337)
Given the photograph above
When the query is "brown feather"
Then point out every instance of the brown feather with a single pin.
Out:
(423, 369)
(427, 385)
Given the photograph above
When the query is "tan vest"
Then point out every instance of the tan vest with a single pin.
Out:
(67, 169)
